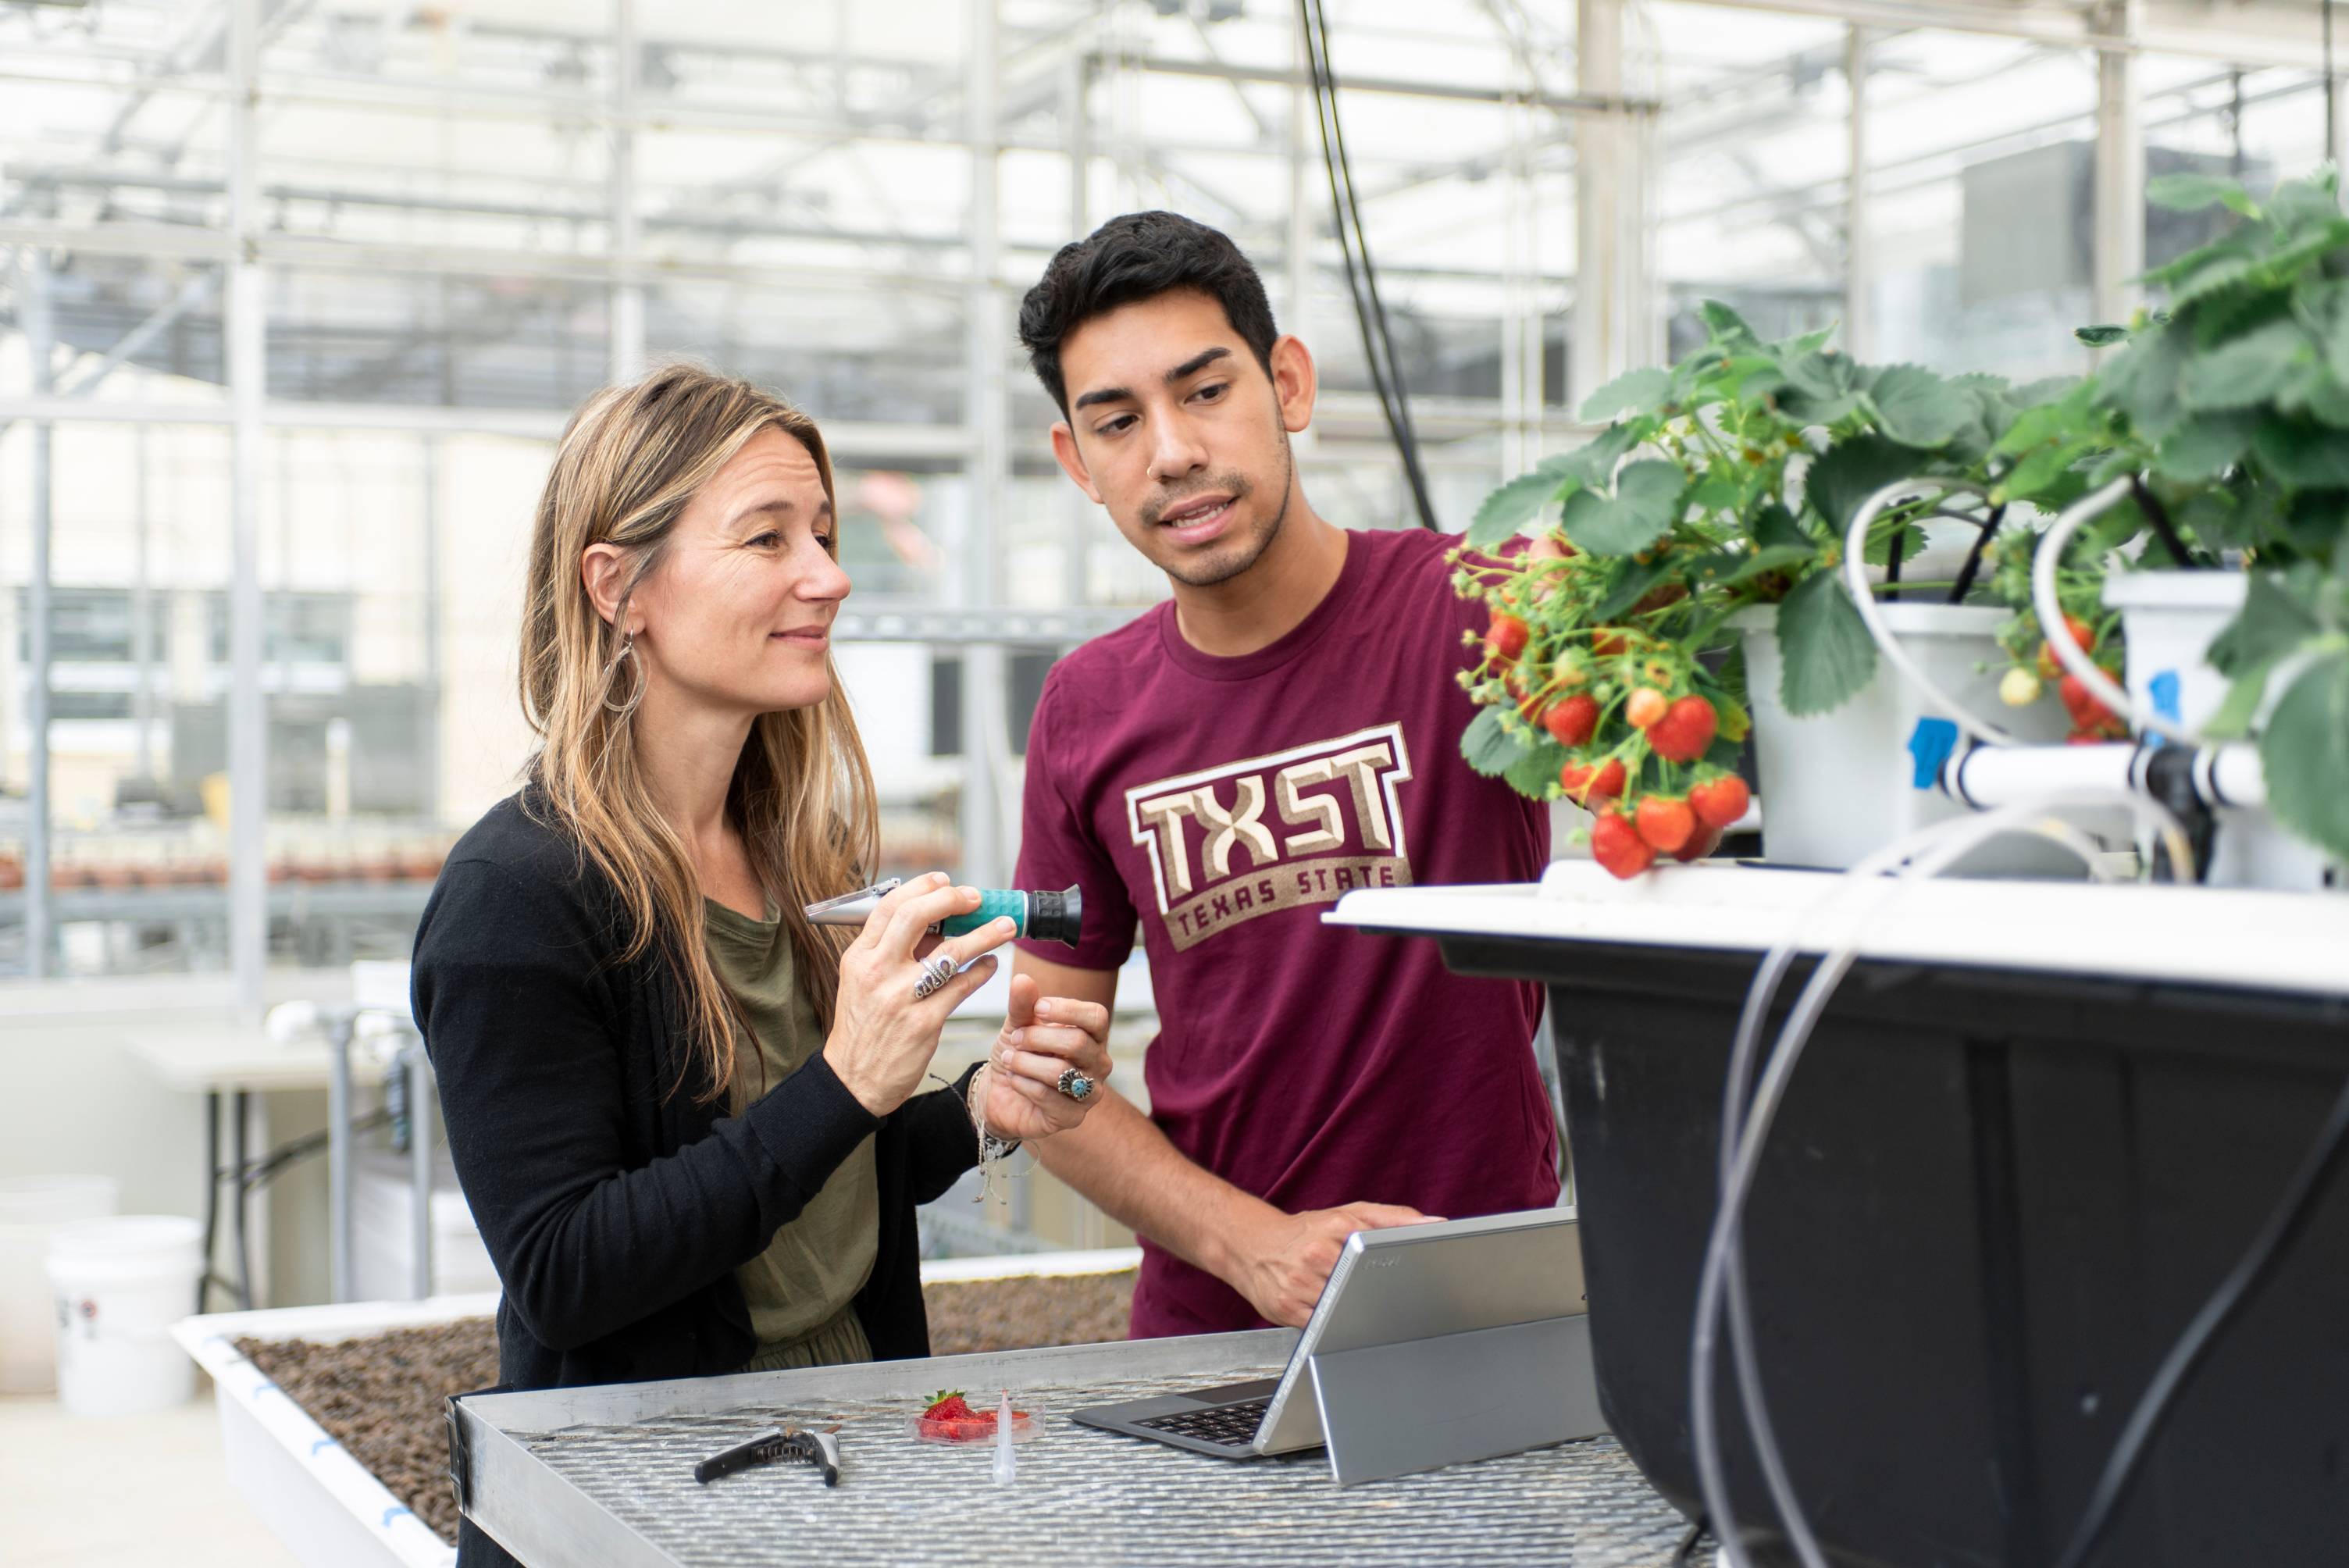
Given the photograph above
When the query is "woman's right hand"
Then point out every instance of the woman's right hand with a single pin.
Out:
(882, 1036)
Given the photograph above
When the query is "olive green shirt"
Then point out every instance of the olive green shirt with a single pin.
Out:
(802, 1290)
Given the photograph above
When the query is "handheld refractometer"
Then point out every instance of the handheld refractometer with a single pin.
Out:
(1042, 916)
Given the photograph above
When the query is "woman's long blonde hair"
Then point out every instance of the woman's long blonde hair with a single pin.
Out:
(802, 796)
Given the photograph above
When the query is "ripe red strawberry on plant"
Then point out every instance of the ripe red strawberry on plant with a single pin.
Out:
(1665, 824)
(1507, 636)
(1591, 786)
(1720, 802)
(1702, 842)
(1573, 721)
(1616, 844)
(2086, 712)
(1685, 730)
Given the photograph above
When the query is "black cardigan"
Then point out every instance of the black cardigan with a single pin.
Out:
(617, 1211)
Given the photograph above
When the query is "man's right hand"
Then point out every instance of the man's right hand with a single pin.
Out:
(1283, 1263)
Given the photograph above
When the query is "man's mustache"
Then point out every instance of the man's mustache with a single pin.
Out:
(1231, 485)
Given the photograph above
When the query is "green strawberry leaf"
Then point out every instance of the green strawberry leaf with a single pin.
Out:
(1916, 407)
(2245, 372)
(2305, 754)
(2233, 719)
(2142, 381)
(1725, 326)
(1821, 388)
(1630, 588)
(2046, 475)
(1774, 527)
(2205, 445)
(2301, 453)
(2193, 193)
(1730, 568)
(1508, 508)
(1532, 774)
(2276, 619)
(1594, 464)
(1487, 747)
(1645, 505)
(2101, 337)
(1824, 647)
(1851, 470)
(1634, 392)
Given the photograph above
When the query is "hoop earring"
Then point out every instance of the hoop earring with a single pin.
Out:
(626, 655)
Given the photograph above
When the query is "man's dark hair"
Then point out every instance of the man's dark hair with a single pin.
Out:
(1137, 257)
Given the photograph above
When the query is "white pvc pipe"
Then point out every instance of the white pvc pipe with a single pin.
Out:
(2232, 775)
(1990, 777)
(1855, 571)
(2050, 610)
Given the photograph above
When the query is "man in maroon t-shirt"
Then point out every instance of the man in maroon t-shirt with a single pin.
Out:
(1225, 769)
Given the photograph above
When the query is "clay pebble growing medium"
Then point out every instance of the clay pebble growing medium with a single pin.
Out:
(380, 1397)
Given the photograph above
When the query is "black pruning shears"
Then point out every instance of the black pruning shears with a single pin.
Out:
(821, 1449)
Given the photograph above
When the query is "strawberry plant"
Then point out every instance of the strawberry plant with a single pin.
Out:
(2229, 410)
(1608, 672)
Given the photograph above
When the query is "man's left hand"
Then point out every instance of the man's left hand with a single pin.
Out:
(1042, 1039)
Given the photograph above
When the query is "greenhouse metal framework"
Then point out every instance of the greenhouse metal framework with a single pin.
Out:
(277, 236)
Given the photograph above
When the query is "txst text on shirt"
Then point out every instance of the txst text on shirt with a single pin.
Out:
(1304, 826)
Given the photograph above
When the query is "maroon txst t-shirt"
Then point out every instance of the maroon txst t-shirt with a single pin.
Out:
(1226, 804)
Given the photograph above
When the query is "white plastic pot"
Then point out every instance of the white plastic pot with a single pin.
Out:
(118, 1286)
(2171, 619)
(31, 1209)
(1839, 786)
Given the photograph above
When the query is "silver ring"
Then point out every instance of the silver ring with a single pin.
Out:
(1075, 1085)
(936, 973)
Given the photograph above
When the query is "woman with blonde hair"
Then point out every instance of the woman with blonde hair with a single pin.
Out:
(688, 1120)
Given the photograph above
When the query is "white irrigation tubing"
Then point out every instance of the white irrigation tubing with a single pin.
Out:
(1855, 572)
(1934, 849)
(2050, 610)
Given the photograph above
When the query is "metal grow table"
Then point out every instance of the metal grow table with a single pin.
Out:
(604, 1476)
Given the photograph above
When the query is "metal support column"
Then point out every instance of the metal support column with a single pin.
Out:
(1605, 177)
(338, 1025)
(423, 1099)
(1521, 363)
(142, 616)
(2120, 166)
(1859, 269)
(1076, 129)
(627, 345)
(428, 728)
(33, 283)
(248, 742)
(983, 836)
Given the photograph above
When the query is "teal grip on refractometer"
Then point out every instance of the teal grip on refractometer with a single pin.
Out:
(994, 903)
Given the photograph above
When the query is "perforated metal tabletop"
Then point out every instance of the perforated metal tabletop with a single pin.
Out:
(605, 1476)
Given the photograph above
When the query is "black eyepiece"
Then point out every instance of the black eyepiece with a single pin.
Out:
(1056, 916)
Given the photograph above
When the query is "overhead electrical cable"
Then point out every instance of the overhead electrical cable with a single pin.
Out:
(1362, 277)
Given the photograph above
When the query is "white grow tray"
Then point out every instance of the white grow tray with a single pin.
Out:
(327, 1508)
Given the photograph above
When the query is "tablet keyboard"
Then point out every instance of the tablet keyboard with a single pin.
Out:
(1226, 1425)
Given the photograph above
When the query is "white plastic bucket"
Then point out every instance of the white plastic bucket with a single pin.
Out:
(31, 1209)
(2171, 619)
(1839, 786)
(118, 1286)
